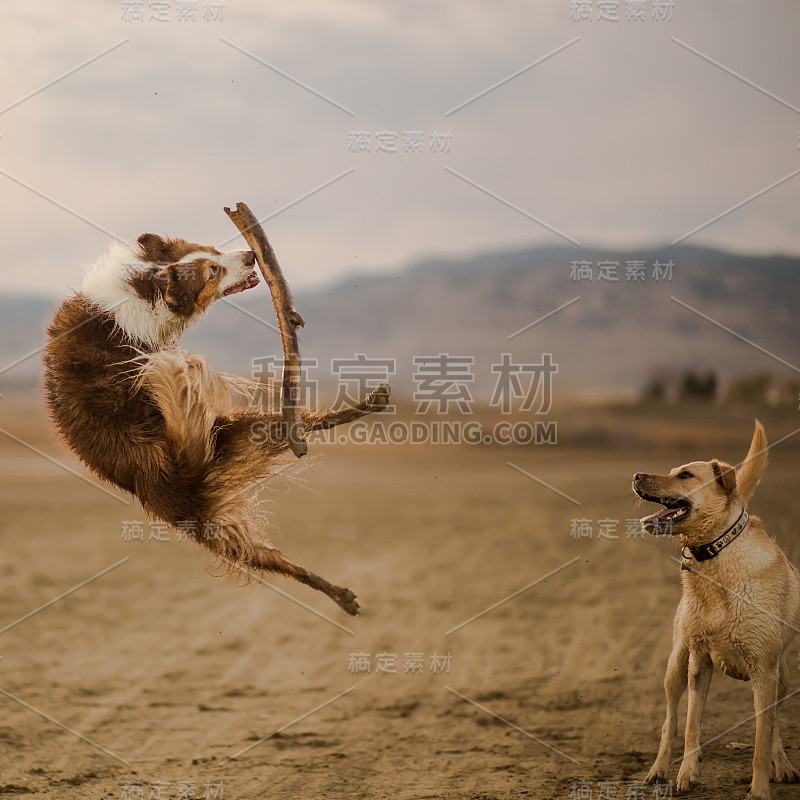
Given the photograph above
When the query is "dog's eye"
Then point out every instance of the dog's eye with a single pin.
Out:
(685, 474)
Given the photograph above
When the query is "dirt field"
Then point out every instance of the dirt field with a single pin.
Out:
(188, 686)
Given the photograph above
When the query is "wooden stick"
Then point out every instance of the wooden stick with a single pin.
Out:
(295, 421)
(288, 322)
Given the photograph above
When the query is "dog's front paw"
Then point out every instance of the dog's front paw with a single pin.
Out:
(688, 776)
(658, 774)
(378, 399)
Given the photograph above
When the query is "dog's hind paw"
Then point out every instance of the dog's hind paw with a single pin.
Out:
(378, 399)
(347, 600)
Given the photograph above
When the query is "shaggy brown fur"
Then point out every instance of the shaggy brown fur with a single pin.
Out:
(158, 422)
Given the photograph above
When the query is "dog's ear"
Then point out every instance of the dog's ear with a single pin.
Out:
(725, 475)
(153, 248)
(180, 292)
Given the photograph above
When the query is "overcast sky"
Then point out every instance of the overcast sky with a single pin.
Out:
(618, 133)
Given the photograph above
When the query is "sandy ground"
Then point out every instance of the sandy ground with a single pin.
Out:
(188, 686)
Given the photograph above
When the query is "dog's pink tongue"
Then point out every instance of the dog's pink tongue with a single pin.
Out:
(666, 513)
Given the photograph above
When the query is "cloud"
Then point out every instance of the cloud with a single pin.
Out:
(623, 138)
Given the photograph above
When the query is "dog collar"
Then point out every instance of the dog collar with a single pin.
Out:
(708, 551)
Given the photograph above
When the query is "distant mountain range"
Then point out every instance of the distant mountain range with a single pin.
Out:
(611, 320)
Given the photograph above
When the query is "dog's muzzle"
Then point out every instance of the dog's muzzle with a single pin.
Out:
(675, 509)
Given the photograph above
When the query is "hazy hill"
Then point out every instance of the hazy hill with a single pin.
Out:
(616, 336)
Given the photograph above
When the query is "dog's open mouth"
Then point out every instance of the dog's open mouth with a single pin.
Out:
(248, 283)
(675, 510)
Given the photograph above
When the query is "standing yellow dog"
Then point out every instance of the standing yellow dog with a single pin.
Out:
(739, 611)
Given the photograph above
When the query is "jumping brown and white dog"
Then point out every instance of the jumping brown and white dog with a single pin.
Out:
(739, 611)
(158, 422)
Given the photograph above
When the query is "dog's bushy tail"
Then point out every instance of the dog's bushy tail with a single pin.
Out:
(752, 468)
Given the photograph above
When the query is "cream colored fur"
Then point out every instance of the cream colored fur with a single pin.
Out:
(190, 395)
(739, 612)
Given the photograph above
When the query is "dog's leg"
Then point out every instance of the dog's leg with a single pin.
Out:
(377, 400)
(269, 559)
(247, 441)
(238, 542)
(784, 771)
(674, 685)
(765, 694)
(243, 446)
(700, 670)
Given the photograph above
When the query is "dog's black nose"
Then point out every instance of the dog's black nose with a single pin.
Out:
(639, 476)
(249, 258)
